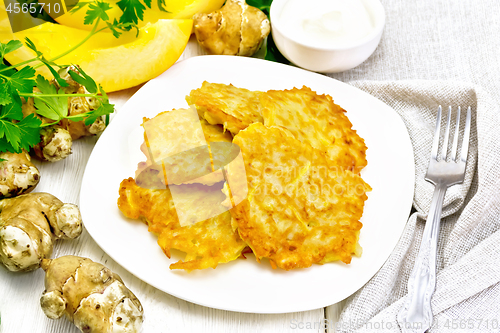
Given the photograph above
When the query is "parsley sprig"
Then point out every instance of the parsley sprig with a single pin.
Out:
(16, 132)
(18, 80)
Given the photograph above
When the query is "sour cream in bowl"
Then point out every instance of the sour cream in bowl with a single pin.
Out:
(327, 36)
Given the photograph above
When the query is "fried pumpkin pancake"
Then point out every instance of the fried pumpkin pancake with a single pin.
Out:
(206, 243)
(181, 140)
(316, 120)
(298, 211)
(234, 108)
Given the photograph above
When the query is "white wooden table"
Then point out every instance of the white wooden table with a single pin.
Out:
(20, 292)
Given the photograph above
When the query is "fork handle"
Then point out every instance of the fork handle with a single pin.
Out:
(416, 314)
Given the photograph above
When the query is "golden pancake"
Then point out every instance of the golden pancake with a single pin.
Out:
(206, 243)
(316, 120)
(299, 209)
(234, 108)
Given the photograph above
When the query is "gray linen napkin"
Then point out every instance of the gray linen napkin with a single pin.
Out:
(467, 296)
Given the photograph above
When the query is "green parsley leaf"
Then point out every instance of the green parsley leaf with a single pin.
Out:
(97, 10)
(21, 135)
(32, 46)
(103, 110)
(161, 5)
(133, 10)
(115, 26)
(79, 6)
(7, 72)
(61, 103)
(5, 95)
(29, 129)
(55, 74)
(14, 110)
(6, 146)
(11, 132)
(46, 110)
(112, 27)
(11, 46)
(54, 108)
(44, 85)
(21, 80)
(82, 78)
(103, 93)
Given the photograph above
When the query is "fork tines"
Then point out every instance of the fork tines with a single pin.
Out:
(435, 143)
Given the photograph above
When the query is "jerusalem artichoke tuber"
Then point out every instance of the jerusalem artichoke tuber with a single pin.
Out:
(235, 29)
(90, 295)
(79, 105)
(17, 174)
(29, 224)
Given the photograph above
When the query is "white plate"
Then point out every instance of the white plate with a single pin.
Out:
(245, 285)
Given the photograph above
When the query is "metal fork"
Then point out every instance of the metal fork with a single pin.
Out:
(416, 313)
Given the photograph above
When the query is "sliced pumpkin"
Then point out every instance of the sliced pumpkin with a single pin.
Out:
(115, 63)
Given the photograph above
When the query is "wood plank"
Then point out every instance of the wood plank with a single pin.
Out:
(332, 315)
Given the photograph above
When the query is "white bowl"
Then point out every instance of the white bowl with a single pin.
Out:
(328, 59)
